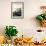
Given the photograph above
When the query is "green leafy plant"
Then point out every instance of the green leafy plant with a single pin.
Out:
(11, 31)
(41, 17)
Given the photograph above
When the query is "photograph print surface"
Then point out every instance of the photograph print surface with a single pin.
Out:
(17, 10)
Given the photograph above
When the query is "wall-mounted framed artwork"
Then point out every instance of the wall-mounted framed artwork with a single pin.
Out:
(17, 10)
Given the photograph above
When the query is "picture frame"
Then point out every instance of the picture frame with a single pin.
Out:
(17, 10)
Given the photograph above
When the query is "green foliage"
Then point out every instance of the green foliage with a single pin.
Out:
(45, 17)
(11, 31)
(41, 17)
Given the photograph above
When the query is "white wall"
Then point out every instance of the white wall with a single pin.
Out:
(26, 26)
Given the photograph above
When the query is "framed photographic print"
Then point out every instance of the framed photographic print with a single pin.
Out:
(17, 10)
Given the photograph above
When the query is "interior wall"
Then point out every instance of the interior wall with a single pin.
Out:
(26, 26)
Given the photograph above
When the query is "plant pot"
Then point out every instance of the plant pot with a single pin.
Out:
(13, 38)
(43, 23)
(9, 41)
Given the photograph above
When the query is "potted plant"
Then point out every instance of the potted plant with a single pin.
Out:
(42, 17)
(10, 31)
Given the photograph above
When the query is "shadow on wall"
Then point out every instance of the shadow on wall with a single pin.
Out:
(1, 30)
(34, 21)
